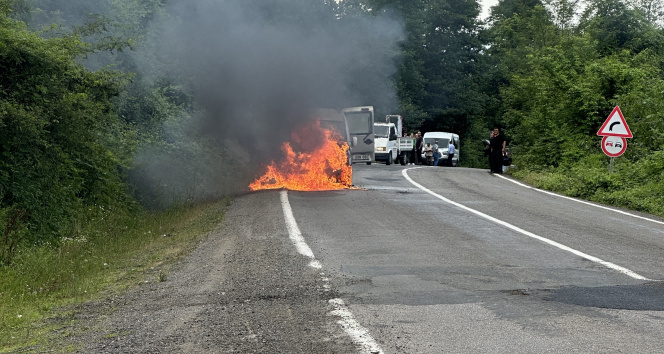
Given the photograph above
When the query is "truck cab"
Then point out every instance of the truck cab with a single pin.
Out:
(386, 147)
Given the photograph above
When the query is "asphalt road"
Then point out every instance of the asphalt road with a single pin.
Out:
(417, 260)
(492, 266)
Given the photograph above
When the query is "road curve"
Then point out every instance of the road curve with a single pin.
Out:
(418, 260)
(429, 274)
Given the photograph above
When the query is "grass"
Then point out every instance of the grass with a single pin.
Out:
(44, 288)
(625, 188)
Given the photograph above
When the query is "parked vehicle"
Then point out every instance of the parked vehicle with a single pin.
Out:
(386, 148)
(360, 127)
(390, 145)
(405, 145)
(336, 120)
(443, 142)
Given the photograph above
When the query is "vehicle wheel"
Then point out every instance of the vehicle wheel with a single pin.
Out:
(403, 159)
(389, 159)
(368, 163)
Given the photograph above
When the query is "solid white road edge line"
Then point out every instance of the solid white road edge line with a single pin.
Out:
(610, 265)
(294, 232)
(579, 201)
(358, 334)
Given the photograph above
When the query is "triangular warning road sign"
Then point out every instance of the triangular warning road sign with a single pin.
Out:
(615, 125)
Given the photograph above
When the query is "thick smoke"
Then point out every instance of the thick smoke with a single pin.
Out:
(259, 67)
(256, 68)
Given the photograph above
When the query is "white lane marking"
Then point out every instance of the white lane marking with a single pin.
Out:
(294, 232)
(358, 334)
(580, 201)
(528, 233)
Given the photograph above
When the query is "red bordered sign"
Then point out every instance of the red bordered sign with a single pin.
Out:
(615, 125)
(614, 146)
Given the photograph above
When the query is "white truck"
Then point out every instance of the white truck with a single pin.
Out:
(390, 145)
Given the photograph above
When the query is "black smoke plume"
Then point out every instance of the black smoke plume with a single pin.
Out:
(259, 67)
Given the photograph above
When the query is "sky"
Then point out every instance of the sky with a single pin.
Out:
(486, 6)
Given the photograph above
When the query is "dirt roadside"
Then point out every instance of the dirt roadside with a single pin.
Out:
(243, 290)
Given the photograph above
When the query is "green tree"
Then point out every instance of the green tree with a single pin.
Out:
(437, 81)
(653, 10)
(615, 26)
(59, 135)
(561, 84)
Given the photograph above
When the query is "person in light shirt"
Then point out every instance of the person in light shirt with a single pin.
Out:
(428, 153)
(451, 150)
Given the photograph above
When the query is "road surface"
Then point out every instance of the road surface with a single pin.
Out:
(418, 260)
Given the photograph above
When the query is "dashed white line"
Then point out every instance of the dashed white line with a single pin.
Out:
(358, 334)
(610, 265)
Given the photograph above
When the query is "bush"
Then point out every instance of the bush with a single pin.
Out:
(58, 137)
(633, 185)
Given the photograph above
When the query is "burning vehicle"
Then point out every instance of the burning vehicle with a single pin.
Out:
(320, 154)
(316, 158)
(335, 120)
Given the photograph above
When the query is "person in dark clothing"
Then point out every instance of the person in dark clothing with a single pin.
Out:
(497, 144)
(419, 145)
(412, 159)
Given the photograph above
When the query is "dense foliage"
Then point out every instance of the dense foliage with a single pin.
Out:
(79, 121)
(560, 82)
(60, 138)
(549, 72)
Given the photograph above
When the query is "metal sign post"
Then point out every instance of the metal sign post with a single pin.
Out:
(611, 165)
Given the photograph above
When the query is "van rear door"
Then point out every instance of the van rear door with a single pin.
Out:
(360, 126)
(334, 119)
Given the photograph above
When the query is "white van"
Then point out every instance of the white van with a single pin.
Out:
(443, 142)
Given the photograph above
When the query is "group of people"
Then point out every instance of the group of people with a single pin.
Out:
(494, 149)
(430, 151)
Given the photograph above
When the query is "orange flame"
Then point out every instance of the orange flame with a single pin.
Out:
(324, 168)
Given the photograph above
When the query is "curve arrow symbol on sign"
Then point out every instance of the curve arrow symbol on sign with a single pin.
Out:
(615, 125)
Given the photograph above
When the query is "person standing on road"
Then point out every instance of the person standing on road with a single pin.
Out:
(413, 152)
(428, 153)
(418, 144)
(435, 153)
(497, 150)
(451, 150)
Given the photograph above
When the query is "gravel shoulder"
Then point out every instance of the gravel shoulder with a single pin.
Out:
(243, 290)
